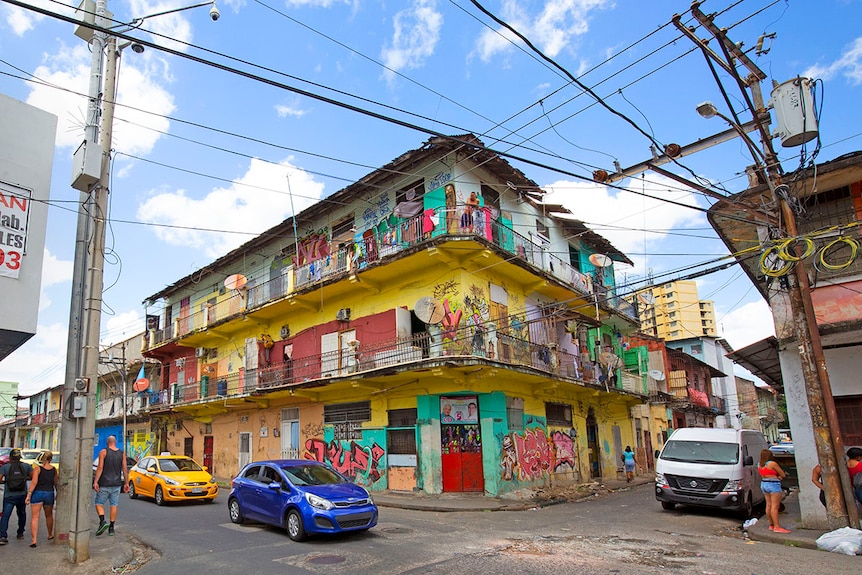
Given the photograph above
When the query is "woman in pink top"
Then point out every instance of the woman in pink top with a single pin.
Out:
(771, 475)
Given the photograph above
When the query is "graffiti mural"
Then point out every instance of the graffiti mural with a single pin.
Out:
(358, 462)
(482, 336)
(447, 288)
(526, 456)
(311, 248)
(565, 451)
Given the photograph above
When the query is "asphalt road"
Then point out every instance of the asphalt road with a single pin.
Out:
(625, 532)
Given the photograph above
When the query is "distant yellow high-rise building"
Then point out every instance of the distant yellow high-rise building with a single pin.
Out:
(673, 311)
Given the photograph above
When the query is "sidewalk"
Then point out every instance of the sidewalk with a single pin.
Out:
(790, 518)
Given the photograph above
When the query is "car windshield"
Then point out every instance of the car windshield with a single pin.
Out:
(30, 454)
(171, 465)
(701, 452)
(311, 475)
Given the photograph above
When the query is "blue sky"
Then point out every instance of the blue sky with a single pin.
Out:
(206, 159)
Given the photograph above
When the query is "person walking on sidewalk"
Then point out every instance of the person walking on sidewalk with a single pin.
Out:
(16, 474)
(771, 475)
(630, 462)
(41, 496)
(111, 477)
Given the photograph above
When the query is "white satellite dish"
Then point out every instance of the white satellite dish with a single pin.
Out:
(656, 374)
(600, 260)
(646, 298)
(235, 282)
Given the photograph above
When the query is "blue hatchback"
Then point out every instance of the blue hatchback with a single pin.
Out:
(303, 497)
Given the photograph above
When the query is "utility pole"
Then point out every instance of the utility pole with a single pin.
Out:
(76, 440)
(840, 500)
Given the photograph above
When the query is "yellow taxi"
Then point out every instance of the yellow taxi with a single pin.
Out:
(167, 478)
(29, 456)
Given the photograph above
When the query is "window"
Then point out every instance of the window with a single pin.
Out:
(697, 349)
(542, 229)
(343, 229)
(559, 414)
(340, 412)
(849, 410)
(671, 314)
(515, 413)
(671, 304)
(575, 257)
(673, 324)
(491, 196)
(401, 435)
(252, 472)
(410, 193)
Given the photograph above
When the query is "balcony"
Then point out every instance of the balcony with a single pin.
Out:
(374, 249)
(112, 407)
(418, 352)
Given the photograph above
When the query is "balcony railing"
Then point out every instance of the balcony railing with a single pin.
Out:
(113, 406)
(373, 248)
(401, 353)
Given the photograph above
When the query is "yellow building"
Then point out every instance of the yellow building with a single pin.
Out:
(673, 311)
(430, 329)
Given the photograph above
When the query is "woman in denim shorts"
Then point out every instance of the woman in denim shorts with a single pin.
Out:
(771, 475)
(43, 486)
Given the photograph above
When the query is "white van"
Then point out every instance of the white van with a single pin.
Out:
(711, 467)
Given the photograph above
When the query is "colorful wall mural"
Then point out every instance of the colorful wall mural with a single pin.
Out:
(361, 460)
(533, 454)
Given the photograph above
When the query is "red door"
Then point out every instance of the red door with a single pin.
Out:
(461, 452)
(208, 453)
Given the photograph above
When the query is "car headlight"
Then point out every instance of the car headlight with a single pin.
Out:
(733, 485)
(660, 481)
(318, 502)
(170, 481)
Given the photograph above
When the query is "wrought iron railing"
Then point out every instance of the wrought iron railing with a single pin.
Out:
(401, 353)
(374, 247)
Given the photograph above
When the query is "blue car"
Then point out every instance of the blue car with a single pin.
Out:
(303, 497)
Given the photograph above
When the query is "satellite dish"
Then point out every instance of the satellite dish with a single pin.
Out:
(429, 310)
(656, 374)
(235, 282)
(141, 384)
(646, 298)
(600, 260)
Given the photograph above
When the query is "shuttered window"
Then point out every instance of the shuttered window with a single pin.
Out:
(340, 412)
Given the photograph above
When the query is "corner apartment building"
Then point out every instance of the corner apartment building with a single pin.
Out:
(674, 311)
(434, 327)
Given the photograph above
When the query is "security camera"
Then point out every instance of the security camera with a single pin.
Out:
(214, 13)
(138, 48)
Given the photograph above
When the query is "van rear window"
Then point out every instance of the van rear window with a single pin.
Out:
(701, 452)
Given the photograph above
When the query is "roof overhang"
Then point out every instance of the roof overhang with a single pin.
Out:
(761, 359)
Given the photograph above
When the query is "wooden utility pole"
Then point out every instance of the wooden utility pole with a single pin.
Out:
(840, 500)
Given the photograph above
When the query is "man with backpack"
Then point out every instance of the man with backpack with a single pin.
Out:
(15, 474)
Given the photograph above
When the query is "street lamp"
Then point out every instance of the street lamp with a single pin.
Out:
(91, 176)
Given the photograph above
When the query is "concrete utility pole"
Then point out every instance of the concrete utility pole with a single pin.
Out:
(840, 500)
(76, 440)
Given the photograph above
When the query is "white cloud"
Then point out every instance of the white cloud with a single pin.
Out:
(621, 216)
(54, 272)
(258, 200)
(22, 21)
(47, 352)
(284, 110)
(70, 69)
(849, 64)
(746, 324)
(119, 327)
(555, 28)
(416, 31)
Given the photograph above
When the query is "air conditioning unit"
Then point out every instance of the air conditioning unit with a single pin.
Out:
(201, 352)
(343, 314)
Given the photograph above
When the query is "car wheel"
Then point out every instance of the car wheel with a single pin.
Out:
(160, 496)
(132, 493)
(669, 505)
(295, 529)
(234, 511)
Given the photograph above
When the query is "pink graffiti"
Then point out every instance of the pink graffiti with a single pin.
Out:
(564, 448)
(356, 462)
(311, 249)
(535, 456)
